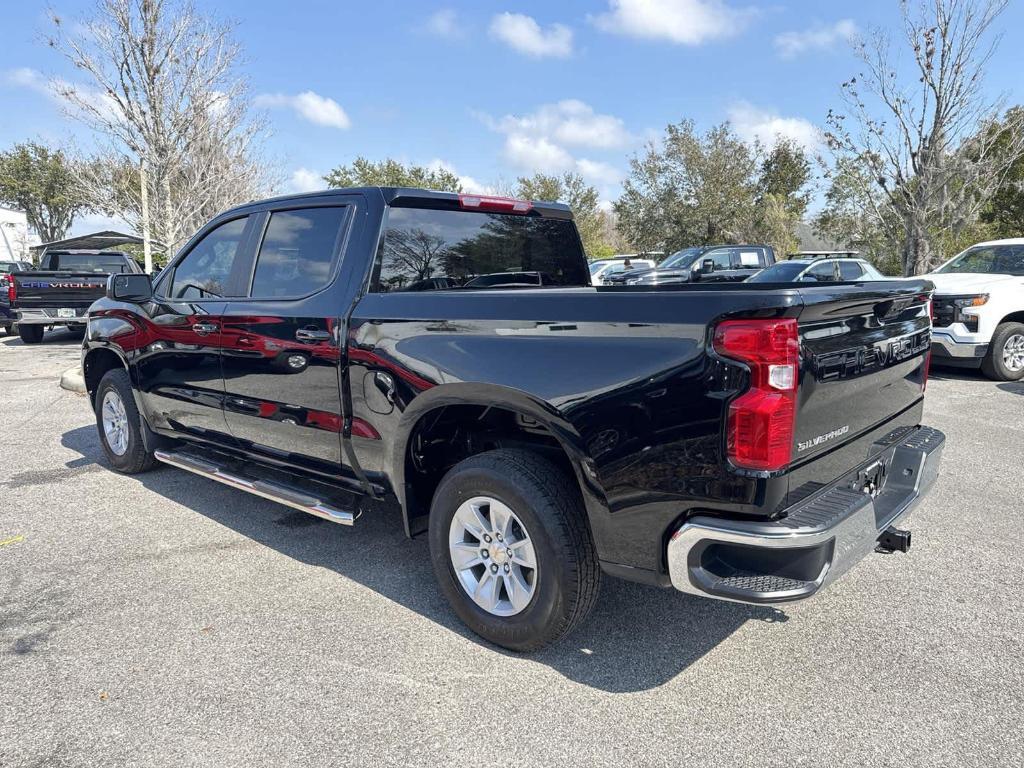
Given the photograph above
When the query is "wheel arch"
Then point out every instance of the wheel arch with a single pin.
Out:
(488, 396)
(96, 363)
(1012, 317)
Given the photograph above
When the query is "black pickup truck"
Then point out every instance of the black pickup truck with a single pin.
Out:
(339, 353)
(60, 291)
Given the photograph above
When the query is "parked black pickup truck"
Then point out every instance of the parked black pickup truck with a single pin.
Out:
(339, 353)
(705, 263)
(61, 290)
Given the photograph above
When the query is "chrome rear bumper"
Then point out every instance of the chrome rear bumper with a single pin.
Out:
(817, 540)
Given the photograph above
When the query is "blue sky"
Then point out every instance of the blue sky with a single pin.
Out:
(495, 90)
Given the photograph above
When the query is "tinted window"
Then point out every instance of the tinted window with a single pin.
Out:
(470, 249)
(204, 272)
(679, 259)
(297, 252)
(850, 270)
(783, 272)
(821, 273)
(722, 258)
(89, 262)
(991, 259)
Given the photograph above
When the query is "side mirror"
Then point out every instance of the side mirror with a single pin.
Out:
(707, 266)
(130, 287)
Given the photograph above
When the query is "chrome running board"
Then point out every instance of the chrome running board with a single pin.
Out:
(268, 490)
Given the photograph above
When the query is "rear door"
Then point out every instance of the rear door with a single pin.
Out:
(178, 364)
(281, 343)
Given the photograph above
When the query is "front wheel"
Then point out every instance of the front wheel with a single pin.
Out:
(1005, 358)
(511, 549)
(120, 424)
(30, 334)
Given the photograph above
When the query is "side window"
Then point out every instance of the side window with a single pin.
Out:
(297, 252)
(721, 257)
(752, 258)
(850, 270)
(820, 273)
(204, 272)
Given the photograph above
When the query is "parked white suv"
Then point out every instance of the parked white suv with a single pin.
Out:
(979, 309)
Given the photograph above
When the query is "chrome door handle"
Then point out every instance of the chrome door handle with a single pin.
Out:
(204, 329)
(306, 334)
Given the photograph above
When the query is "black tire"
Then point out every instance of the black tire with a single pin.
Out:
(31, 334)
(136, 458)
(993, 365)
(548, 503)
(8, 328)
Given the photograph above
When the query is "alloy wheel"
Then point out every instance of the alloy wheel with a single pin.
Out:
(493, 556)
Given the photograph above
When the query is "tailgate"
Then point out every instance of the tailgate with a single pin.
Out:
(864, 355)
(57, 289)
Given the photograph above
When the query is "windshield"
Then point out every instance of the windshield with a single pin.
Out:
(597, 266)
(988, 259)
(474, 250)
(783, 272)
(680, 259)
(107, 263)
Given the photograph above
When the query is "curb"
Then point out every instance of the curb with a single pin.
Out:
(72, 380)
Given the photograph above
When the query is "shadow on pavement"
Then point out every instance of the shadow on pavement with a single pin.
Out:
(637, 638)
(1013, 387)
(61, 336)
(955, 374)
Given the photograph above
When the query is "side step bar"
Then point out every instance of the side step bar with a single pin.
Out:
(268, 490)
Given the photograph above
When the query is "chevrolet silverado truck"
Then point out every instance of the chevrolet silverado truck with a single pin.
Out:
(979, 310)
(60, 291)
(376, 351)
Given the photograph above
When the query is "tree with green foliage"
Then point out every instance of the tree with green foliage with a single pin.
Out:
(571, 189)
(392, 173)
(1005, 211)
(39, 181)
(692, 190)
(782, 195)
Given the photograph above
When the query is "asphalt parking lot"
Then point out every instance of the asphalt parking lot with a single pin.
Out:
(164, 619)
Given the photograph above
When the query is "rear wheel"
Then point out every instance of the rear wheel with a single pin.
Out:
(31, 334)
(120, 424)
(1005, 358)
(511, 549)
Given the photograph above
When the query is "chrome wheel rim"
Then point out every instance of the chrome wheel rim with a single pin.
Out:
(115, 423)
(1013, 352)
(493, 556)
(296, 361)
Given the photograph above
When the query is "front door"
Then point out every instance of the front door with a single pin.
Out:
(178, 366)
(281, 358)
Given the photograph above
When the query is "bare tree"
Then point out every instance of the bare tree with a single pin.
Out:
(926, 141)
(164, 95)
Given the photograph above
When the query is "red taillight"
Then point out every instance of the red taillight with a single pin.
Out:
(928, 355)
(759, 434)
(363, 428)
(12, 292)
(490, 203)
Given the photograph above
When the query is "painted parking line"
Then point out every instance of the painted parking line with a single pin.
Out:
(12, 540)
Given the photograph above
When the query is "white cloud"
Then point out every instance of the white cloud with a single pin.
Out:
(752, 123)
(540, 141)
(569, 122)
(525, 35)
(445, 24)
(816, 38)
(468, 183)
(687, 22)
(310, 106)
(305, 180)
